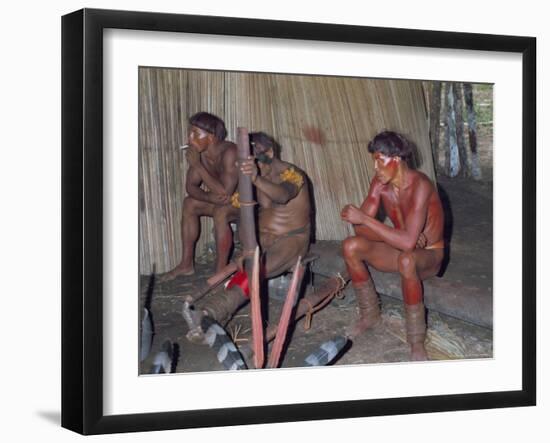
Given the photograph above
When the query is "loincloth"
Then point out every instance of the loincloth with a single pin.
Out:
(437, 245)
(282, 250)
(276, 261)
(269, 239)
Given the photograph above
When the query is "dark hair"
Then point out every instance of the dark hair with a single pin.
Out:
(391, 144)
(265, 140)
(210, 123)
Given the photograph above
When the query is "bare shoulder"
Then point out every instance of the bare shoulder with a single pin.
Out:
(291, 174)
(287, 166)
(422, 183)
(229, 148)
(229, 152)
(421, 178)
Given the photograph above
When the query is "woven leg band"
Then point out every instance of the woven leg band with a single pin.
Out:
(415, 319)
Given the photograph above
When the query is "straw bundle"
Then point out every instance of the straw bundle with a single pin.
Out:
(442, 342)
(322, 123)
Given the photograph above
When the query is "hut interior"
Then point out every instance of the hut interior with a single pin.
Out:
(323, 125)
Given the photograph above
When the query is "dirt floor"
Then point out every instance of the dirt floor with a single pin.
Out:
(469, 212)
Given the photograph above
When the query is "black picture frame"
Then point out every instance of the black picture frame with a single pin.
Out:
(82, 219)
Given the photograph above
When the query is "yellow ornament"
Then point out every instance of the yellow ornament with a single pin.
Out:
(235, 200)
(292, 176)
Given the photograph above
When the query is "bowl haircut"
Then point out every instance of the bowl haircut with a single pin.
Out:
(265, 140)
(391, 144)
(209, 123)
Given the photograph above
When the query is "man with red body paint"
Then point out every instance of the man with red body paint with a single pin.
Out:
(211, 161)
(413, 247)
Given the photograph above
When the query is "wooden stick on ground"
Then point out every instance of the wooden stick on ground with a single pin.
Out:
(213, 282)
(327, 289)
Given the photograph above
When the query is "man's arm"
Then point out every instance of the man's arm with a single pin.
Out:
(269, 192)
(229, 177)
(370, 208)
(192, 186)
(230, 173)
(372, 202)
(263, 200)
(278, 193)
(405, 239)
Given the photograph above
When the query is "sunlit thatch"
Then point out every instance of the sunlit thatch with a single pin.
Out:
(322, 123)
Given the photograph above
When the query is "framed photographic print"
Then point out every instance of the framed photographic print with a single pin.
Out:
(270, 221)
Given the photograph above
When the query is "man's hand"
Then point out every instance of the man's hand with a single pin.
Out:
(218, 199)
(193, 157)
(240, 259)
(248, 167)
(422, 241)
(353, 215)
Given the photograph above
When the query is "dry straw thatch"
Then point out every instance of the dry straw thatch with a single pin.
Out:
(322, 123)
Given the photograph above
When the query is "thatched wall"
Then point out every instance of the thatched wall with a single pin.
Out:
(343, 114)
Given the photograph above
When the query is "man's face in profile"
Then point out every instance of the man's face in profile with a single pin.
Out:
(198, 138)
(385, 167)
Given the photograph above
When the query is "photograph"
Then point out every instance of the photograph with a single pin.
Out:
(297, 219)
(261, 222)
(290, 221)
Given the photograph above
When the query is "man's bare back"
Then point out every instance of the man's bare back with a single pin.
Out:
(279, 218)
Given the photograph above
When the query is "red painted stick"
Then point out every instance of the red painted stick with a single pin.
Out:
(284, 321)
(256, 312)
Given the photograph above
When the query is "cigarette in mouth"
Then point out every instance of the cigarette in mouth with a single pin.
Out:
(184, 147)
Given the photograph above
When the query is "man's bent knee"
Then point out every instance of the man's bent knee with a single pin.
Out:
(221, 214)
(352, 245)
(349, 247)
(190, 205)
(407, 264)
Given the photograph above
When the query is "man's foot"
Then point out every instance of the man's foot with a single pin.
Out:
(369, 308)
(418, 352)
(415, 325)
(176, 272)
(361, 325)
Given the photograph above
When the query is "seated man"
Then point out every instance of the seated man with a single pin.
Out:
(413, 247)
(283, 220)
(211, 162)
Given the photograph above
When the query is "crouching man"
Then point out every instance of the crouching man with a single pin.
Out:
(413, 247)
(211, 159)
(283, 222)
